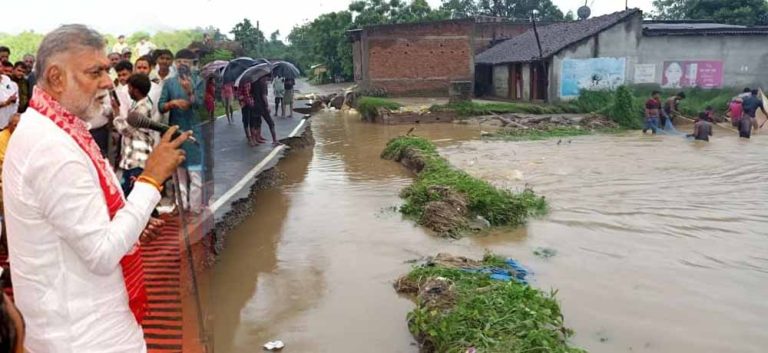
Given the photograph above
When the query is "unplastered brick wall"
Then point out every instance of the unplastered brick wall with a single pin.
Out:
(420, 58)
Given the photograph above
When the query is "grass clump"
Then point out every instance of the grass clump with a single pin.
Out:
(438, 182)
(466, 109)
(535, 134)
(369, 106)
(489, 315)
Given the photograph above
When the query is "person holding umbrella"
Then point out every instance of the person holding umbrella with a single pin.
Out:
(259, 91)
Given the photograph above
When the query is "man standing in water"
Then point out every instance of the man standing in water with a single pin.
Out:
(702, 129)
(750, 106)
(670, 108)
(652, 110)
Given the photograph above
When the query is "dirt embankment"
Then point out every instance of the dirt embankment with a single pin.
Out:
(542, 122)
(243, 208)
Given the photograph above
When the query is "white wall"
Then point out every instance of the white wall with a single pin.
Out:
(501, 81)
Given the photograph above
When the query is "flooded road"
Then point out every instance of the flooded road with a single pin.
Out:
(661, 244)
(314, 265)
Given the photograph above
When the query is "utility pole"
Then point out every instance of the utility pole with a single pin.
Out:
(536, 33)
(626, 4)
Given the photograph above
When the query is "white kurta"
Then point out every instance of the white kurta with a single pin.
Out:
(64, 249)
(7, 89)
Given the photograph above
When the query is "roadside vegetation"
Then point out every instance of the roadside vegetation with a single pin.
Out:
(466, 109)
(450, 201)
(369, 106)
(460, 308)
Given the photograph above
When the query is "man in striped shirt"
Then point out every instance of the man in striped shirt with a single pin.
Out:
(136, 143)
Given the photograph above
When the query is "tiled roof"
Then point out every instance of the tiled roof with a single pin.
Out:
(698, 28)
(554, 38)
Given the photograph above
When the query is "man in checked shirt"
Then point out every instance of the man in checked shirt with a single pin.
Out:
(136, 143)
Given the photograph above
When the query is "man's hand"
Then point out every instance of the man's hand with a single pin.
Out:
(13, 98)
(152, 231)
(181, 104)
(166, 157)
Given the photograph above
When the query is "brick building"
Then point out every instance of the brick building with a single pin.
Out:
(423, 58)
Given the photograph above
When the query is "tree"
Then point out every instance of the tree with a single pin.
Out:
(521, 9)
(176, 40)
(324, 41)
(21, 44)
(137, 36)
(251, 38)
(459, 8)
(738, 12)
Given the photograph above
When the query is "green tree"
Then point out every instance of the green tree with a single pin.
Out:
(460, 8)
(324, 41)
(521, 9)
(21, 44)
(176, 40)
(136, 37)
(739, 12)
(250, 37)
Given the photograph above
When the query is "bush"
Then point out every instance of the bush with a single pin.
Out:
(593, 101)
(625, 111)
(369, 106)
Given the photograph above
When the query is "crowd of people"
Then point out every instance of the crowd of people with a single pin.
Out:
(83, 181)
(74, 108)
(742, 112)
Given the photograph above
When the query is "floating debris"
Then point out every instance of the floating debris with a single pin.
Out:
(274, 345)
(545, 252)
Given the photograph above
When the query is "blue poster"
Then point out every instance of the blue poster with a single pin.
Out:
(591, 74)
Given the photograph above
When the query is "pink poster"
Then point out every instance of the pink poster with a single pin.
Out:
(684, 74)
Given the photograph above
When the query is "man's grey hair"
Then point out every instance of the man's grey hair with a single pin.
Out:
(63, 39)
(28, 55)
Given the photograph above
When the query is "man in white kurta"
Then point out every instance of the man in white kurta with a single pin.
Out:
(65, 251)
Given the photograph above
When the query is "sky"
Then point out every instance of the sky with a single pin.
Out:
(157, 15)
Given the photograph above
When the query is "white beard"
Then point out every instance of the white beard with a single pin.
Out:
(89, 109)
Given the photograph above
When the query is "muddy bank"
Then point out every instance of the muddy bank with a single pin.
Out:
(242, 208)
(540, 121)
(449, 201)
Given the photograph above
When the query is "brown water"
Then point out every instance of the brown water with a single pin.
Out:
(661, 243)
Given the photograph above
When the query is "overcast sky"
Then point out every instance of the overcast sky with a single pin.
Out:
(154, 15)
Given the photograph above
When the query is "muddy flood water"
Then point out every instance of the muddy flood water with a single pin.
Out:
(661, 244)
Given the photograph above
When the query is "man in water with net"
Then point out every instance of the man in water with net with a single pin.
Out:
(750, 105)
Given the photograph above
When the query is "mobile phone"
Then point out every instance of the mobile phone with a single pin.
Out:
(114, 97)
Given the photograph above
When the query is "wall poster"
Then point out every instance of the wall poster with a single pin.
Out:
(591, 74)
(687, 74)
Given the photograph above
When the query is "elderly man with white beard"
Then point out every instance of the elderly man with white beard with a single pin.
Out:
(73, 237)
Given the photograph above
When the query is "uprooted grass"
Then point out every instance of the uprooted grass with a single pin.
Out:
(475, 109)
(500, 207)
(491, 316)
(535, 134)
(369, 106)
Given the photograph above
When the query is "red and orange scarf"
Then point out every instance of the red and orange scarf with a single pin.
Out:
(131, 263)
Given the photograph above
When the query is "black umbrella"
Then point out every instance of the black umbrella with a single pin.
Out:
(285, 69)
(236, 67)
(254, 73)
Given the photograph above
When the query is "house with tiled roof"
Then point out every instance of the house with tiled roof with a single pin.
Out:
(556, 61)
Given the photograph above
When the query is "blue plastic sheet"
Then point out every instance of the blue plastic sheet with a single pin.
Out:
(513, 271)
